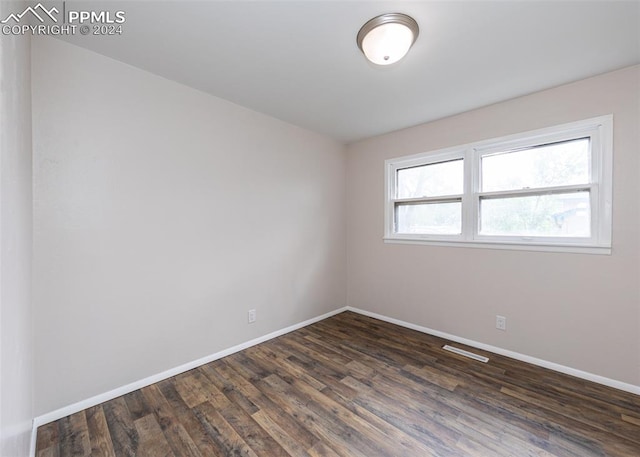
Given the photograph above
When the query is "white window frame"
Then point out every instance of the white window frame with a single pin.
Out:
(600, 132)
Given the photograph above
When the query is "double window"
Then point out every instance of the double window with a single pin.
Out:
(544, 190)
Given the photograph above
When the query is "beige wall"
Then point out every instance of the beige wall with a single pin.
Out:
(161, 216)
(577, 310)
(16, 336)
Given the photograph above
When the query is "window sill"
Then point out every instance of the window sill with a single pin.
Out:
(539, 247)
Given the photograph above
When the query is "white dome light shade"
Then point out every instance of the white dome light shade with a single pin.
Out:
(386, 39)
(387, 43)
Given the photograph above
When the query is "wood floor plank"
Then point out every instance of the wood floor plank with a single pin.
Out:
(631, 420)
(279, 434)
(501, 439)
(194, 389)
(595, 419)
(136, 405)
(178, 438)
(320, 449)
(222, 432)
(229, 389)
(403, 415)
(99, 436)
(152, 440)
(341, 437)
(353, 386)
(188, 419)
(315, 374)
(392, 432)
(49, 452)
(563, 428)
(382, 435)
(124, 435)
(237, 410)
(256, 437)
(281, 361)
(292, 427)
(74, 435)
(47, 441)
(429, 375)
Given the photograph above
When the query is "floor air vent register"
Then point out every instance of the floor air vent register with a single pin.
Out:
(462, 352)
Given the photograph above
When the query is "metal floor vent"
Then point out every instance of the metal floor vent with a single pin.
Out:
(471, 355)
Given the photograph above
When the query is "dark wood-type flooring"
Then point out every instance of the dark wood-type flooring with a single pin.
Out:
(354, 386)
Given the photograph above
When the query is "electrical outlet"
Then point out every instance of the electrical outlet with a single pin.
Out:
(251, 315)
(501, 323)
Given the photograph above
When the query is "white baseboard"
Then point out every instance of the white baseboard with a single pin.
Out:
(34, 435)
(511, 354)
(110, 395)
(119, 391)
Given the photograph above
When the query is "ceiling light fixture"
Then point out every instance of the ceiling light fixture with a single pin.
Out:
(387, 38)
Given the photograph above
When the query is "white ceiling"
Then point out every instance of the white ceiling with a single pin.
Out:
(298, 60)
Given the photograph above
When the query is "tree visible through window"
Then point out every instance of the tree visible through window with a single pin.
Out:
(544, 188)
(552, 170)
(422, 188)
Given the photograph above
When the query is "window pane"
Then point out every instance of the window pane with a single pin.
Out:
(540, 215)
(429, 218)
(433, 180)
(556, 164)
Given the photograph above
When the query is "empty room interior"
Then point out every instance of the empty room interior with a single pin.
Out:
(320, 228)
